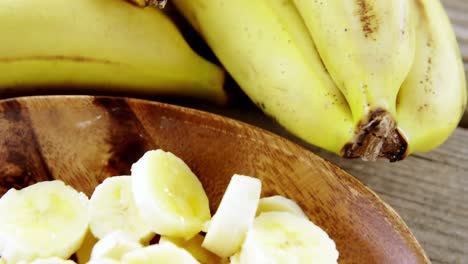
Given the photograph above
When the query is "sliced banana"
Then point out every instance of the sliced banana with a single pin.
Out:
(53, 260)
(281, 237)
(170, 197)
(112, 208)
(278, 203)
(104, 261)
(114, 246)
(43, 220)
(83, 254)
(234, 216)
(193, 246)
(2, 261)
(165, 253)
(235, 259)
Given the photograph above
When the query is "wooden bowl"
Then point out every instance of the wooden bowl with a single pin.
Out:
(84, 139)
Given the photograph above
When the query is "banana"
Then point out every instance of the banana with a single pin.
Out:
(2, 261)
(272, 57)
(368, 49)
(235, 259)
(341, 75)
(100, 44)
(52, 260)
(114, 246)
(234, 216)
(170, 197)
(112, 208)
(84, 252)
(166, 253)
(194, 247)
(278, 203)
(280, 237)
(104, 261)
(46, 219)
(432, 99)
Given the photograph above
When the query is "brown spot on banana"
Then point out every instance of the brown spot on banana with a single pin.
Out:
(377, 138)
(368, 18)
(57, 58)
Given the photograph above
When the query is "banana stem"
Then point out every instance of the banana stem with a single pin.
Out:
(157, 3)
(377, 138)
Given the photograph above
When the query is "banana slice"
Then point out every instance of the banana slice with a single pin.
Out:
(234, 216)
(53, 260)
(165, 253)
(235, 259)
(104, 261)
(114, 246)
(280, 237)
(2, 261)
(193, 246)
(113, 208)
(43, 220)
(278, 203)
(84, 252)
(170, 197)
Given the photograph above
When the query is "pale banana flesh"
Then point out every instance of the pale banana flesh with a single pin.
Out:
(362, 104)
(106, 45)
(169, 196)
(43, 220)
(164, 253)
(234, 216)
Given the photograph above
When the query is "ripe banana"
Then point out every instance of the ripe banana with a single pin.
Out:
(112, 208)
(272, 57)
(334, 72)
(234, 216)
(432, 99)
(170, 197)
(280, 237)
(368, 49)
(100, 44)
(43, 220)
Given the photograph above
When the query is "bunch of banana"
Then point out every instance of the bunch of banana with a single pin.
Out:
(100, 44)
(364, 79)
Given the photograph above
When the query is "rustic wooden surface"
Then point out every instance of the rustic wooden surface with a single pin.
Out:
(83, 140)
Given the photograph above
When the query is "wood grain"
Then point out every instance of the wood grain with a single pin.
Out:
(457, 11)
(82, 140)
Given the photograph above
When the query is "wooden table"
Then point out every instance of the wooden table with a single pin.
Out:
(428, 190)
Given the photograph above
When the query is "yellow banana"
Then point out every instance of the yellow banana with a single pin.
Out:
(103, 44)
(432, 99)
(368, 48)
(272, 57)
(364, 100)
